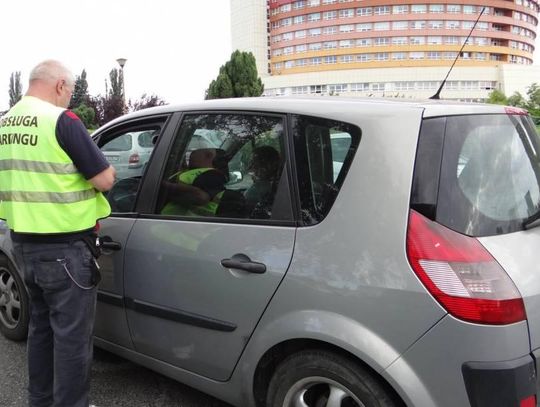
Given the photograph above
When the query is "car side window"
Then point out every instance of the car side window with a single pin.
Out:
(128, 152)
(325, 148)
(224, 165)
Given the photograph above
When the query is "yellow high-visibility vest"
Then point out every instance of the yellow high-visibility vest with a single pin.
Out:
(41, 190)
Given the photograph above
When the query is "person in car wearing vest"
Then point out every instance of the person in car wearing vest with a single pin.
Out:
(207, 171)
(51, 182)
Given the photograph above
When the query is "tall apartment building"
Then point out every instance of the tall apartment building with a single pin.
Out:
(397, 48)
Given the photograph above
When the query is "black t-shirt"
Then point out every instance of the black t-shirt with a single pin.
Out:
(87, 157)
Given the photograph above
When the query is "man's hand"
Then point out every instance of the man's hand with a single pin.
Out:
(104, 180)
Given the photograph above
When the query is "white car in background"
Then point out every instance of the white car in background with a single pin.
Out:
(130, 152)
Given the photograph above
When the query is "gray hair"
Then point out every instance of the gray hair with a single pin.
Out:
(52, 70)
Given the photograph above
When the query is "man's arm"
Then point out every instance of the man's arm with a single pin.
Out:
(104, 180)
(185, 194)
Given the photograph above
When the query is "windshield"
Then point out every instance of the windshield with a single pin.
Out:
(490, 174)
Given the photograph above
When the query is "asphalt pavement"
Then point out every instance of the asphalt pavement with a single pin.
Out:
(116, 382)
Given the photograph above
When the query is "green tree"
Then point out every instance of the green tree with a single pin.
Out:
(533, 103)
(15, 88)
(86, 114)
(237, 78)
(145, 102)
(497, 97)
(517, 99)
(80, 91)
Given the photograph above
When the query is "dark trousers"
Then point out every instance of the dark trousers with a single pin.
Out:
(61, 321)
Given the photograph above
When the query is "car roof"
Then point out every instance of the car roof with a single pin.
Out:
(320, 106)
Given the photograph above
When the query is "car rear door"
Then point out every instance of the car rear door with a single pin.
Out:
(196, 285)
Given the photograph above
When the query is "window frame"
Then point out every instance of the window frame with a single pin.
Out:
(284, 193)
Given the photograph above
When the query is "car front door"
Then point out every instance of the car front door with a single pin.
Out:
(111, 323)
(198, 275)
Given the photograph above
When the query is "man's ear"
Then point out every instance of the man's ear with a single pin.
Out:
(59, 85)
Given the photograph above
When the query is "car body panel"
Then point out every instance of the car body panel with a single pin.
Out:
(176, 265)
(523, 269)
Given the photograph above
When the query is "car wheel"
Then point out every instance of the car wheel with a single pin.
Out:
(14, 306)
(324, 379)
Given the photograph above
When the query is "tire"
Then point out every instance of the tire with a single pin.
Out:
(14, 305)
(318, 378)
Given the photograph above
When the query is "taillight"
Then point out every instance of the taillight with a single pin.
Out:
(134, 158)
(528, 402)
(461, 274)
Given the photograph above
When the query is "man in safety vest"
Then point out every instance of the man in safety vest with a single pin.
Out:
(51, 178)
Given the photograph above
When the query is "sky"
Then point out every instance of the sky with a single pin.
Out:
(173, 48)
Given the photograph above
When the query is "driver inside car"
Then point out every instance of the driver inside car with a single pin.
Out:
(206, 177)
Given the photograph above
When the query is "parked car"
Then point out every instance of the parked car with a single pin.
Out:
(130, 152)
(410, 277)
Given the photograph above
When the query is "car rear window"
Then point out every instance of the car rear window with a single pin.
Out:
(478, 174)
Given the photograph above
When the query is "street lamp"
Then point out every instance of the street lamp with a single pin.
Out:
(122, 62)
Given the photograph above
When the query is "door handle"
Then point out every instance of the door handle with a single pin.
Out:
(106, 242)
(242, 262)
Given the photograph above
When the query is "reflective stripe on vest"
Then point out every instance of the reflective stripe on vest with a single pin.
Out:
(41, 190)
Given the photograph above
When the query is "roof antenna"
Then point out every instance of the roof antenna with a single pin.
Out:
(436, 96)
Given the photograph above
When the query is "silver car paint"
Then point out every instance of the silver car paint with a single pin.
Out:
(523, 269)
(348, 274)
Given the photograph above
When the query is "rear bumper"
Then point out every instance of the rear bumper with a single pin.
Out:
(510, 383)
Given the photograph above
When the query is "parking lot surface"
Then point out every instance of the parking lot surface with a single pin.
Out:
(116, 382)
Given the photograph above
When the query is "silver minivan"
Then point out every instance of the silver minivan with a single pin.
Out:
(407, 275)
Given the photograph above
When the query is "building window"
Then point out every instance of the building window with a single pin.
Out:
(299, 19)
(482, 41)
(330, 30)
(434, 40)
(315, 61)
(364, 57)
(381, 10)
(381, 56)
(286, 22)
(399, 40)
(417, 40)
(381, 41)
(301, 62)
(347, 28)
(419, 8)
(419, 25)
(299, 4)
(285, 8)
(364, 27)
(288, 50)
(317, 89)
(482, 26)
(467, 25)
(330, 44)
(287, 36)
(359, 87)
(480, 56)
(400, 25)
(433, 55)
(301, 48)
(363, 42)
(377, 87)
(314, 32)
(338, 88)
(330, 59)
(436, 8)
(289, 64)
(382, 26)
(435, 24)
(278, 66)
(400, 9)
(416, 55)
(300, 34)
(315, 46)
(452, 25)
(329, 1)
(314, 17)
(451, 40)
(453, 8)
(399, 56)
(450, 55)
(313, 3)
(364, 11)
(348, 13)
(300, 90)
(277, 52)
(345, 59)
(329, 15)
(346, 44)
